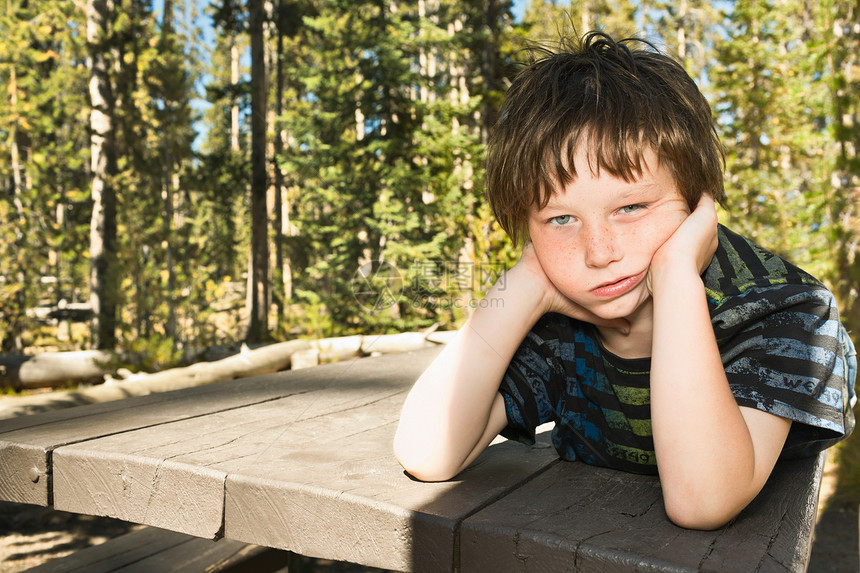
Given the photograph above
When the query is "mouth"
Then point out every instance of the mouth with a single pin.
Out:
(618, 287)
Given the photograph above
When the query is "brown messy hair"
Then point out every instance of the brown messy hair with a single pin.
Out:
(623, 98)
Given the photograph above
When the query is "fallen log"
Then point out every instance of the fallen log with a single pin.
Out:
(248, 362)
(347, 347)
(338, 348)
(264, 360)
(52, 369)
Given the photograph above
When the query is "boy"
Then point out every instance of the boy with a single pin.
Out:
(652, 336)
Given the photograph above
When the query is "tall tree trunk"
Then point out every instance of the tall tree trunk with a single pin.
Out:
(281, 222)
(103, 292)
(12, 340)
(258, 326)
(681, 34)
(166, 190)
(844, 204)
(234, 82)
(489, 65)
(585, 19)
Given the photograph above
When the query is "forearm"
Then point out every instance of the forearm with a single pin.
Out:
(449, 416)
(705, 452)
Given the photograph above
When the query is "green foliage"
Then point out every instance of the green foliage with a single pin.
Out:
(311, 316)
(837, 50)
(756, 104)
(779, 113)
(387, 147)
(157, 353)
(385, 111)
(42, 155)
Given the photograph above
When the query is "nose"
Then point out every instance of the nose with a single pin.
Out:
(601, 247)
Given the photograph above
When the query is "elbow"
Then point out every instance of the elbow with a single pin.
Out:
(420, 463)
(692, 516)
(706, 501)
(700, 510)
(426, 472)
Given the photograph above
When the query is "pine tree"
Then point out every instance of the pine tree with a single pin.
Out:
(289, 48)
(545, 22)
(840, 26)
(14, 295)
(41, 162)
(767, 127)
(103, 276)
(170, 88)
(223, 176)
(686, 29)
(387, 154)
(258, 280)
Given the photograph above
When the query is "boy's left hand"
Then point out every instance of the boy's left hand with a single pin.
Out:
(691, 247)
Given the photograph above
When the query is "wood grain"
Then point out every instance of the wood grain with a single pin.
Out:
(152, 549)
(363, 508)
(27, 442)
(579, 518)
(303, 461)
(313, 472)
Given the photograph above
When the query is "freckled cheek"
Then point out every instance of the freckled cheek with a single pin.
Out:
(645, 240)
(560, 260)
(555, 248)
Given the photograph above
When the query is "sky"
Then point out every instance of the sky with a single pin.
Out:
(519, 9)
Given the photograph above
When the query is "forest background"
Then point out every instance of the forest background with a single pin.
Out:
(179, 174)
(313, 168)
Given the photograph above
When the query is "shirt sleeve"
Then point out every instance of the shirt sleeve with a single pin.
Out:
(788, 356)
(531, 385)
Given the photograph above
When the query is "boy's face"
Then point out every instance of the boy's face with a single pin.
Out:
(596, 236)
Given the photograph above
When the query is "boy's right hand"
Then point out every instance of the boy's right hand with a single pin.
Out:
(552, 300)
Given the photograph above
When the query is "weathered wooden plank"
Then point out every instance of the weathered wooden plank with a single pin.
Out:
(163, 493)
(26, 442)
(23, 473)
(172, 476)
(121, 475)
(359, 505)
(204, 555)
(781, 520)
(152, 549)
(549, 524)
(115, 553)
(313, 473)
(579, 518)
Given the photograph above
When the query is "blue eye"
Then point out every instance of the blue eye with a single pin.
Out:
(631, 208)
(561, 220)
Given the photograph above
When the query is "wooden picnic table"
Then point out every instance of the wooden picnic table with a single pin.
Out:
(302, 461)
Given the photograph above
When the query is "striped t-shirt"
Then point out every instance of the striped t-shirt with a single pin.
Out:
(782, 345)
